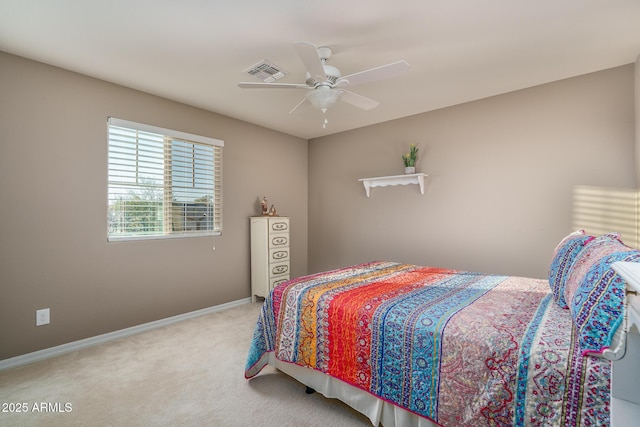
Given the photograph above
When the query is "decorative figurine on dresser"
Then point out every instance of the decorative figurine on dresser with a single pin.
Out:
(269, 250)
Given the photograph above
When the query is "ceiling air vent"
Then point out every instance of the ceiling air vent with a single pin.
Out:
(266, 72)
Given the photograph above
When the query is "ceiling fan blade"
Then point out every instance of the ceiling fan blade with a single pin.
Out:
(383, 72)
(302, 105)
(358, 100)
(252, 85)
(308, 54)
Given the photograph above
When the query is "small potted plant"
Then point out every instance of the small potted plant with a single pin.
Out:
(409, 159)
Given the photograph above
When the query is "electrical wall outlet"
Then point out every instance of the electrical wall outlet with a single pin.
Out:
(42, 317)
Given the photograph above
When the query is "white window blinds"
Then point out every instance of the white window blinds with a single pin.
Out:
(162, 183)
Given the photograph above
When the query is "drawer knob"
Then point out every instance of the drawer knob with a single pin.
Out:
(279, 241)
(280, 254)
(280, 269)
(277, 282)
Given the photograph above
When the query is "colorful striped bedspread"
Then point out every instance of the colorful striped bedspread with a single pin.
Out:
(459, 348)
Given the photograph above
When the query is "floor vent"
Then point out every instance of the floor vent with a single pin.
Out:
(266, 72)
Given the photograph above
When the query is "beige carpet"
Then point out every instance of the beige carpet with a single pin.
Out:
(189, 374)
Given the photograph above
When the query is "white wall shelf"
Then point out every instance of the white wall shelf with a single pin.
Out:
(383, 181)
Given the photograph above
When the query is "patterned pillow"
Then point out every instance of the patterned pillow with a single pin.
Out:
(591, 254)
(563, 257)
(597, 307)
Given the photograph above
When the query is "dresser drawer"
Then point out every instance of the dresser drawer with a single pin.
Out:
(278, 269)
(278, 225)
(275, 281)
(278, 240)
(278, 254)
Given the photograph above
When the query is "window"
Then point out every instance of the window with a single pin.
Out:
(162, 183)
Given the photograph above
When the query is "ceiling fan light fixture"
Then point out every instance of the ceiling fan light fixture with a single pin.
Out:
(323, 97)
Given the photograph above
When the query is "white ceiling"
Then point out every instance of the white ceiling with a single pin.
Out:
(195, 51)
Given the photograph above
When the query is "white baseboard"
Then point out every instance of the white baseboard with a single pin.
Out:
(99, 339)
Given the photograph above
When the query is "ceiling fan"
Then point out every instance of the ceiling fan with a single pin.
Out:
(325, 84)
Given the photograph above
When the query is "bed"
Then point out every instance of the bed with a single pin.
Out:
(410, 345)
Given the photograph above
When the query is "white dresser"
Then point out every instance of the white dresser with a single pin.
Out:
(269, 253)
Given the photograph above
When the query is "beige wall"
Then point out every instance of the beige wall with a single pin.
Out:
(637, 119)
(501, 175)
(498, 197)
(53, 201)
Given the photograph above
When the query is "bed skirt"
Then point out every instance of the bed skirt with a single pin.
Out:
(377, 410)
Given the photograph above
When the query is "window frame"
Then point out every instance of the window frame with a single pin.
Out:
(170, 137)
